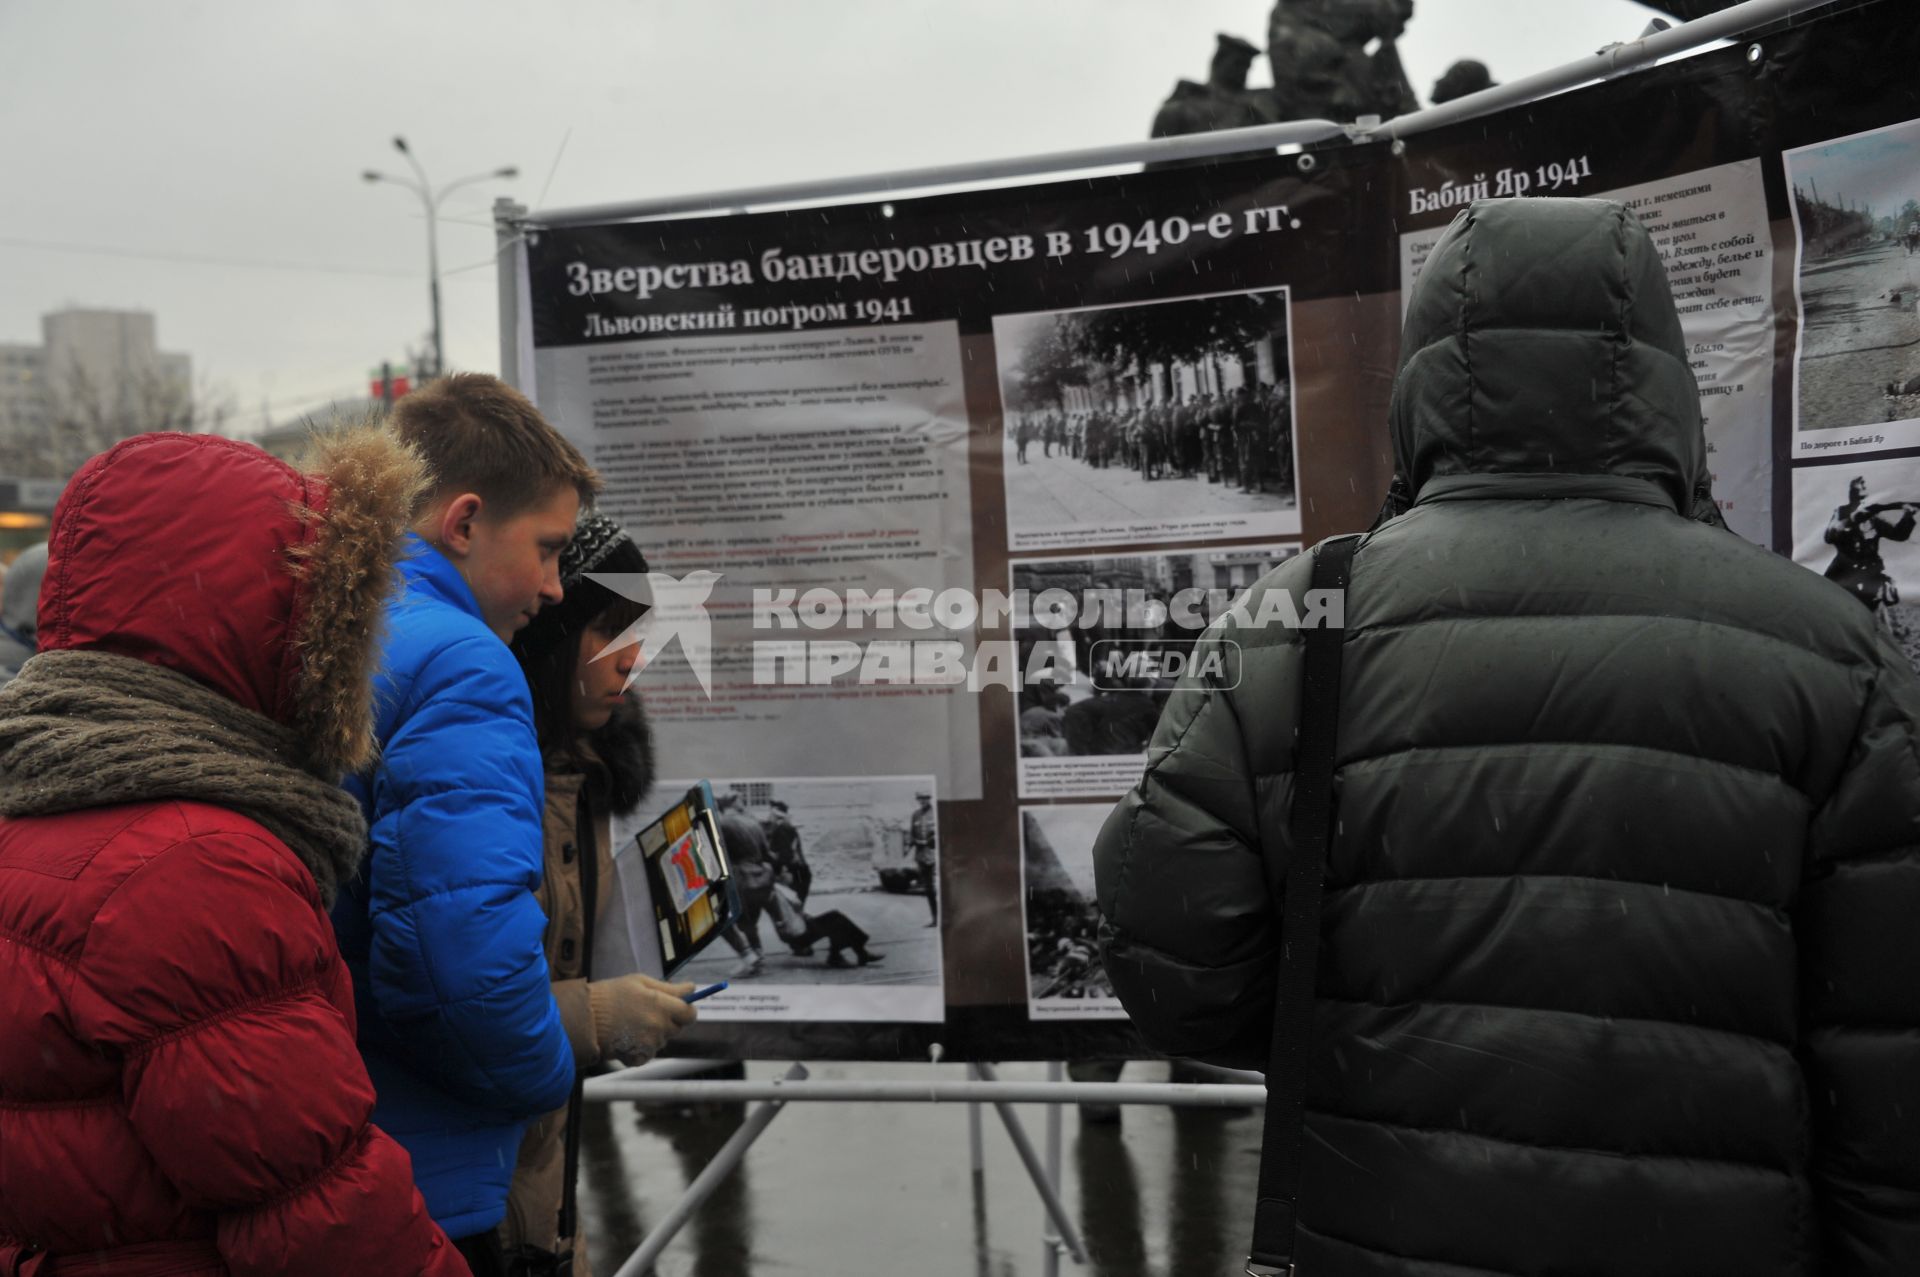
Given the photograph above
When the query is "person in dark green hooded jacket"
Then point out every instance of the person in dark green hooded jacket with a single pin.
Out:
(1620, 948)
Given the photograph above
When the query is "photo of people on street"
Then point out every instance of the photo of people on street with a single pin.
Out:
(1854, 522)
(839, 893)
(1856, 212)
(1064, 977)
(1149, 422)
(1084, 731)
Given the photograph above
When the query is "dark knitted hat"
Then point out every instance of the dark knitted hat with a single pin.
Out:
(549, 645)
(597, 539)
(599, 545)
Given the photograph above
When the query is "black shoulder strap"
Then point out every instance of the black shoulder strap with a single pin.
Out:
(1283, 1142)
(586, 839)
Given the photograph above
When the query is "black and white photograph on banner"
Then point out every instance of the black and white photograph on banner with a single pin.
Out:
(839, 893)
(1856, 216)
(1105, 670)
(1065, 980)
(1165, 420)
(1854, 522)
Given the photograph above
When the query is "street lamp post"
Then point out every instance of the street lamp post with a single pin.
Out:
(430, 201)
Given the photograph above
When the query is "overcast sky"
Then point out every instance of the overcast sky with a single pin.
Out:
(216, 145)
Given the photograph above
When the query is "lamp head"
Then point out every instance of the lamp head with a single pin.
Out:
(400, 144)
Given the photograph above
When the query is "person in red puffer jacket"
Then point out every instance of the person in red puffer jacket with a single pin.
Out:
(179, 1087)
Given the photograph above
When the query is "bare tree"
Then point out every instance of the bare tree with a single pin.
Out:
(1176, 332)
(1049, 366)
(87, 415)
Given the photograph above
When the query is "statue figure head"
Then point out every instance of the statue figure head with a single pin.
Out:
(1462, 78)
(1232, 57)
(1351, 22)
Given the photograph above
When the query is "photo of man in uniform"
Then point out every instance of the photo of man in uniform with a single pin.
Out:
(784, 845)
(923, 839)
(1855, 531)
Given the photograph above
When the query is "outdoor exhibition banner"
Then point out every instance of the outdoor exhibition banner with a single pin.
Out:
(937, 492)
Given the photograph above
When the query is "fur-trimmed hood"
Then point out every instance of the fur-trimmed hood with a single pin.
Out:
(623, 751)
(260, 580)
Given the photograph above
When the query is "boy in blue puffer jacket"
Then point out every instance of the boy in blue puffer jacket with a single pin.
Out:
(441, 929)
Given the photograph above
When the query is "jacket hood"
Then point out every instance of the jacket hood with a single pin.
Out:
(625, 748)
(259, 580)
(20, 596)
(1542, 340)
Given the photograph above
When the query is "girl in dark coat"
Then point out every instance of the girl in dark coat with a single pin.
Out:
(599, 763)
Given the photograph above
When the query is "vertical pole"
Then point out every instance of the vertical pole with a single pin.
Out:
(723, 1164)
(977, 1161)
(386, 384)
(1051, 1259)
(1037, 1172)
(433, 277)
(506, 215)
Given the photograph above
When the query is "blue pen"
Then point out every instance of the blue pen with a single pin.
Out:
(707, 992)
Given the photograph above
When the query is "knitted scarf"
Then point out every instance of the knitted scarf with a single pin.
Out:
(85, 729)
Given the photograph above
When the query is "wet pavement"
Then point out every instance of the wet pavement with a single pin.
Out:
(868, 1189)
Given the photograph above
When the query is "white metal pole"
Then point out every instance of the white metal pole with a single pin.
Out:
(990, 1091)
(976, 1151)
(1051, 1259)
(1615, 60)
(711, 1176)
(1620, 59)
(1191, 147)
(1036, 1170)
(676, 1067)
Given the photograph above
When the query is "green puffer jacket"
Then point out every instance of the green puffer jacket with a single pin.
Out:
(1620, 959)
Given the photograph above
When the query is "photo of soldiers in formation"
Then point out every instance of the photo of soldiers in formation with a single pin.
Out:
(1168, 409)
(1242, 438)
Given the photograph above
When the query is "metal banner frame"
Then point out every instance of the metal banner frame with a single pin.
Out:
(668, 1081)
(671, 1082)
(512, 221)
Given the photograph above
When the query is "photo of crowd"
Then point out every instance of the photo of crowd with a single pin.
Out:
(1064, 975)
(1095, 707)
